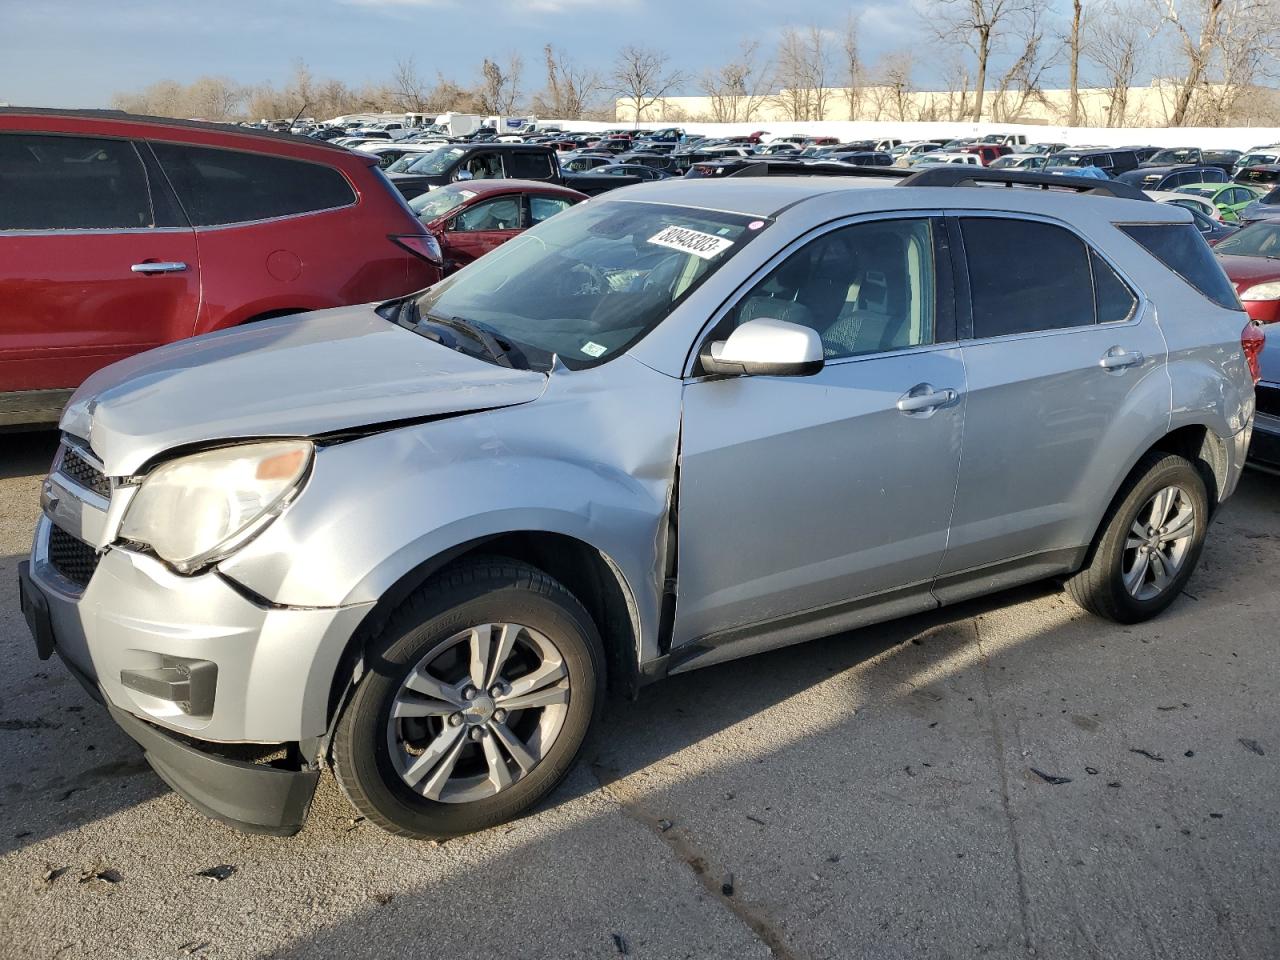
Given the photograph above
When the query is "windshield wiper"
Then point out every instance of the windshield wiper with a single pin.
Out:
(500, 353)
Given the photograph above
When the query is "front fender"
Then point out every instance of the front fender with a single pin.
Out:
(589, 459)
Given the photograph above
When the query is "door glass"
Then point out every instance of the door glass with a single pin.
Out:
(481, 166)
(235, 186)
(865, 288)
(68, 183)
(528, 166)
(543, 208)
(1014, 292)
(500, 214)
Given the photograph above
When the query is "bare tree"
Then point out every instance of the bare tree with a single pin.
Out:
(640, 77)
(214, 98)
(1115, 41)
(407, 90)
(892, 92)
(500, 89)
(1073, 47)
(570, 90)
(852, 64)
(1022, 82)
(803, 68)
(978, 25)
(1223, 44)
(738, 88)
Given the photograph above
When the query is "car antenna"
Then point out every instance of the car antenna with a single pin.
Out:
(297, 115)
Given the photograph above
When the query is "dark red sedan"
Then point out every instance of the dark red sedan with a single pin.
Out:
(1251, 259)
(120, 233)
(472, 217)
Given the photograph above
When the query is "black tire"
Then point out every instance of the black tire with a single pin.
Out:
(1099, 586)
(492, 590)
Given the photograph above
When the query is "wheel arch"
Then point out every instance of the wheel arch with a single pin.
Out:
(590, 574)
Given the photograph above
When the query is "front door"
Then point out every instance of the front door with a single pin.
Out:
(86, 278)
(800, 496)
(480, 228)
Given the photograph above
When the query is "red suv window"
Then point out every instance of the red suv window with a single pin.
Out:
(66, 183)
(231, 186)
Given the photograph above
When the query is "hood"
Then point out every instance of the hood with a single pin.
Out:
(296, 376)
(1257, 210)
(1244, 272)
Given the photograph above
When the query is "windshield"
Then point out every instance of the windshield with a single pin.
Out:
(437, 161)
(1071, 160)
(408, 160)
(592, 281)
(1259, 240)
(1200, 191)
(435, 204)
(1183, 155)
(1253, 159)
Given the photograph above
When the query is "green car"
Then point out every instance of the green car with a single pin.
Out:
(1229, 198)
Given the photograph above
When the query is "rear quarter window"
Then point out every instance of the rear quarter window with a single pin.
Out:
(235, 186)
(1180, 247)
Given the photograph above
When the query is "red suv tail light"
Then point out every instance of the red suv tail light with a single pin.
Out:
(422, 245)
(1252, 340)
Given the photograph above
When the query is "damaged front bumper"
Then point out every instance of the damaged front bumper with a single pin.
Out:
(208, 681)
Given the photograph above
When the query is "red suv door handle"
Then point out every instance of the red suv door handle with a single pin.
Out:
(159, 266)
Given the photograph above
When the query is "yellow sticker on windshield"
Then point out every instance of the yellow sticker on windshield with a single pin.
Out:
(704, 245)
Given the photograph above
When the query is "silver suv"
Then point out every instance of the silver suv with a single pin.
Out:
(417, 540)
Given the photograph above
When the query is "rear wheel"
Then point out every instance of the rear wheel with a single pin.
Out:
(474, 705)
(1149, 543)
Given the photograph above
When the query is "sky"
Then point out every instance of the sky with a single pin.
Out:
(77, 53)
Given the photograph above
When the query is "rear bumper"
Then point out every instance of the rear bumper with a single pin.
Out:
(254, 797)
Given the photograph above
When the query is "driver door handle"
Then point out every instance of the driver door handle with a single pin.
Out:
(927, 399)
(159, 266)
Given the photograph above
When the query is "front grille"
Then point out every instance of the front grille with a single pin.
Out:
(75, 466)
(72, 558)
(1268, 400)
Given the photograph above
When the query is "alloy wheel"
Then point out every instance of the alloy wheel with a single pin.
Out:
(1158, 543)
(478, 713)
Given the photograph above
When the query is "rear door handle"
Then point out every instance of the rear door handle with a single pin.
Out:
(925, 397)
(159, 266)
(1117, 358)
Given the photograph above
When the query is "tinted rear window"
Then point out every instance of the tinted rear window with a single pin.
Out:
(529, 166)
(234, 186)
(68, 183)
(1014, 292)
(1180, 247)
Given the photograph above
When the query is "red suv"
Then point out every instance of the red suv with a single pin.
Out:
(121, 233)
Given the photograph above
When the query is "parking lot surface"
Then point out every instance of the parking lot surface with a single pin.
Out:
(1003, 778)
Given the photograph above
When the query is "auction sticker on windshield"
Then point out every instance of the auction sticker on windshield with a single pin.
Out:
(704, 245)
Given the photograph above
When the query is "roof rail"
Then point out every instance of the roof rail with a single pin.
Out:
(956, 175)
(795, 168)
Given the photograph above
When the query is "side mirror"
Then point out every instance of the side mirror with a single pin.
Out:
(765, 347)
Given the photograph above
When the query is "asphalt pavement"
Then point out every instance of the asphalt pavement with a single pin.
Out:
(1004, 778)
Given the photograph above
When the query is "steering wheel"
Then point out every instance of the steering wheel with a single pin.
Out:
(580, 279)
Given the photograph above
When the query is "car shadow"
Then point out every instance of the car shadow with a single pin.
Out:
(26, 453)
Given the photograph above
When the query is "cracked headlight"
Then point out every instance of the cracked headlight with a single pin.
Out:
(198, 509)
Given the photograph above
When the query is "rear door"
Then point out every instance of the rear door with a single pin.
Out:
(810, 497)
(91, 270)
(1058, 351)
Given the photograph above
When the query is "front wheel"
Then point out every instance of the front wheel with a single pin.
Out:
(1149, 543)
(474, 704)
